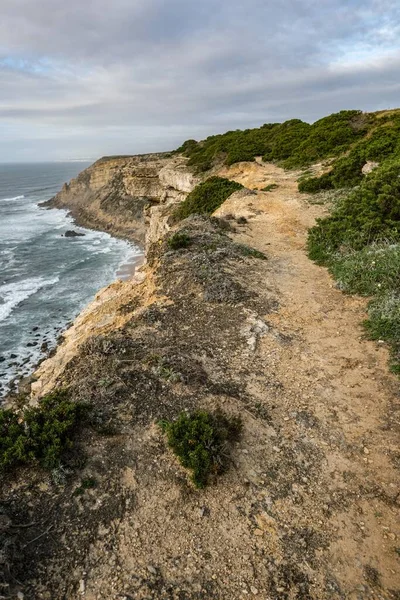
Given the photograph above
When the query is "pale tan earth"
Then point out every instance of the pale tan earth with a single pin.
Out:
(310, 506)
(332, 373)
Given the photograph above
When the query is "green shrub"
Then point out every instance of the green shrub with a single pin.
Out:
(373, 270)
(359, 243)
(207, 197)
(200, 441)
(312, 185)
(368, 214)
(383, 323)
(329, 137)
(270, 187)
(179, 240)
(40, 434)
(294, 142)
(382, 144)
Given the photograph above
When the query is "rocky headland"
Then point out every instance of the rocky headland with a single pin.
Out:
(126, 196)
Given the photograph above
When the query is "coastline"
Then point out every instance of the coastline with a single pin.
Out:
(128, 198)
(126, 272)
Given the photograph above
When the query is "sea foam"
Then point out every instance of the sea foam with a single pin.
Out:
(11, 199)
(12, 294)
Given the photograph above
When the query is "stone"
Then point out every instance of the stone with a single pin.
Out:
(72, 233)
(369, 166)
(253, 590)
(152, 569)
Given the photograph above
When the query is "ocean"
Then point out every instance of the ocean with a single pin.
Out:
(45, 278)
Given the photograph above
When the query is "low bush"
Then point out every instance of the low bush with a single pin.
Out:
(360, 244)
(40, 434)
(201, 441)
(368, 214)
(312, 185)
(329, 137)
(179, 240)
(270, 187)
(206, 197)
(382, 144)
(383, 323)
(295, 142)
(373, 270)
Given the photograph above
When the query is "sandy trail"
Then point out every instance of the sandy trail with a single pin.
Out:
(333, 376)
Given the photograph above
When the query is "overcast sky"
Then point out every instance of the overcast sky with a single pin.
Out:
(85, 78)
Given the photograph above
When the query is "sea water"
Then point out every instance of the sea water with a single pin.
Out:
(45, 278)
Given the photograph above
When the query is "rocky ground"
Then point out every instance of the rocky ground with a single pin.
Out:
(309, 506)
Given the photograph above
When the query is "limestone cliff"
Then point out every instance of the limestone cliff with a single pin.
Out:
(121, 194)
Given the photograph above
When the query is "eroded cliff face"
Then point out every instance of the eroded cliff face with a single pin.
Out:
(128, 196)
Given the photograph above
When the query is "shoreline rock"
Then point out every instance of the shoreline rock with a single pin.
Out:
(70, 233)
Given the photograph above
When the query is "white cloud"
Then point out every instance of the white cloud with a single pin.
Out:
(95, 78)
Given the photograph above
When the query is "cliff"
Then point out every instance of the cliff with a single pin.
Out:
(238, 318)
(120, 195)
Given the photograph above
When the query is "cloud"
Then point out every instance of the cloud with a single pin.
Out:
(94, 78)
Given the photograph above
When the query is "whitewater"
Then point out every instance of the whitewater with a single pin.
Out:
(45, 277)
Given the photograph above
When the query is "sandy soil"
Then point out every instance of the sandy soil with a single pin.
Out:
(336, 379)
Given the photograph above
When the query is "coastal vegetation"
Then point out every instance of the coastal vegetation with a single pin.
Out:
(293, 143)
(360, 244)
(381, 145)
(206, 197)
(41, 434)
(200, 441)
(179, 240)
(359, 241)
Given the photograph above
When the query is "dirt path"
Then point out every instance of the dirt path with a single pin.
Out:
(337, 388)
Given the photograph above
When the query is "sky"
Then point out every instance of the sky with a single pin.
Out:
(87, 78)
